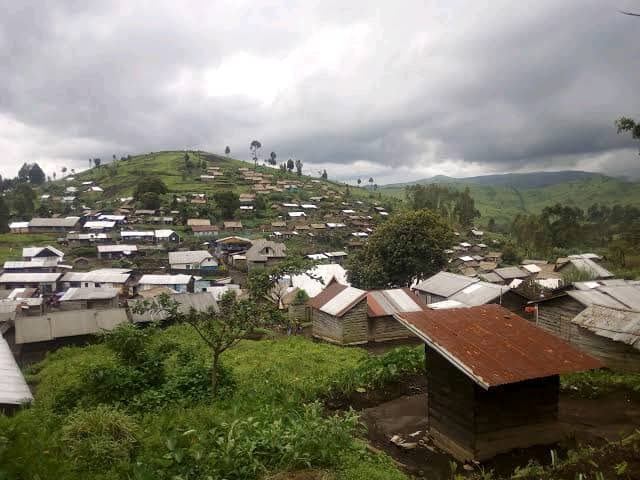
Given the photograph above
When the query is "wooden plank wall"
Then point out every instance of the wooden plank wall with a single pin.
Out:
(383, 329)
(355, 324)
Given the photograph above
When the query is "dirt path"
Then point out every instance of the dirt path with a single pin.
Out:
(590, 421)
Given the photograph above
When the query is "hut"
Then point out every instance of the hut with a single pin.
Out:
(382, 305)
(493, 379)
(89, 298)
(339, 315)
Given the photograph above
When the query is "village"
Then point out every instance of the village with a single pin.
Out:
(496, 335)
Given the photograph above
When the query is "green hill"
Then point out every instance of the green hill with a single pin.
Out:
(530, 193)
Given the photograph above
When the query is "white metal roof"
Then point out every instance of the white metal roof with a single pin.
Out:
(117, 248)
(445, 304)
(532, 268)
(315, 280)
(131, 233)
(342, 300)
(97, 276)
(164, 233)
(30, 252)
(165, 279)
(194, 256)
(29, 277)
(19, 225)
(297, 214)
(97, 224)
(13, 387)
(89, 294)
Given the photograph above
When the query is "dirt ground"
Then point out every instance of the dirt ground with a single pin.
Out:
(591, 421)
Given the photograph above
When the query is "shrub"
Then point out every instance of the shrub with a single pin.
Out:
(98, 439)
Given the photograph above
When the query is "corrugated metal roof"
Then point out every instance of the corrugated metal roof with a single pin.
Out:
(44, 262)
(117, 248)
(493, 346)
(628, 295)
(29, 277)
(343, 301)
(387, 302)
(591, 297)
(193, 256)
(30, 252)
(490, 277)
(315, 280)
(97, 276)
(89, 294)
(479, 293)
(200, 301)
(68, 222)
(96, 224)
(445, 284)
(509, 273)
(13, 387)
(446, 304)
(617, 324)
(165, 279)
(589, 266)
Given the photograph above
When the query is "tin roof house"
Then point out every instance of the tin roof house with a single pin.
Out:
(493, 379)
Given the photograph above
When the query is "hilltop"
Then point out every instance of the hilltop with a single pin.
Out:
(504, 196)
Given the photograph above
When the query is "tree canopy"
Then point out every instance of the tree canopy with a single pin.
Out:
(408, 246)
(149, 185)
(228, 202)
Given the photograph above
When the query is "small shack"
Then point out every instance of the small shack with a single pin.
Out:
(382, 305)
(339, 315)
(493, 379)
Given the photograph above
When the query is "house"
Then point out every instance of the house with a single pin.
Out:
(200, 301)
(166, 236)
(144, 213)
(204, 230)
(585, 264)
(339, 315)
(232, 244)
(53, 225)
(441, 286)
(89, 298)
(198, 260)
(192, 222)
(556, 312)
(161, 220)
(14, 391)
(99, 225)
(46, 283)
(119, 219)
(112, 278)
(264, 253)
(609, 334)
(43, 265)
(115, 252)
(510, 273)
(30, 253)
(493, 379)
(230, 225)
(296, 214)
(382, 305)
(19, 227)
(336, 257)
(178, 283)
(477, 233)
(88, 238)
(137, 236)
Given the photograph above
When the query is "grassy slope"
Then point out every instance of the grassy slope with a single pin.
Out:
(270, 374)
(503, 203)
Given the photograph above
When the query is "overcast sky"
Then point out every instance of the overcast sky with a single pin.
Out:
(394, 90)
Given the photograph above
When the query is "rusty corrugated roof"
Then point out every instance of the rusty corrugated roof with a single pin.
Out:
(493, 346)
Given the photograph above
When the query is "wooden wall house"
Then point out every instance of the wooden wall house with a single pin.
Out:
(339, 315)
(382, 305)
(493, 379)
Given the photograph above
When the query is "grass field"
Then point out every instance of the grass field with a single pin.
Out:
(11, 244)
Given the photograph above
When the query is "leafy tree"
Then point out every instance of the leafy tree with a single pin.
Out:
(54, 175)
(254, 147)
(466, 210)
(299, 167)
(324, 175)
(97, 162)
(36, 175)
(290, 165)
(260, 204)
(4, 216)
(359, 182)
(625, 124)
(64, 170)
(23, 173)
(150, 200)
(510, 255)
(23, 200)
(220, 329)
(408, 246)
(491, 226)
(370, 181)
(149, 185)
(227, 150)
(272, 158)
(228, 202)
(113, 157)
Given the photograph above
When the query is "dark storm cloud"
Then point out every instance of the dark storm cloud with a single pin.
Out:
(401, 90)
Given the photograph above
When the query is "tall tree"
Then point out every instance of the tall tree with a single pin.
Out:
(97, 162)
(23, 173)
(625, 124)
(359, 182)
(408, 246)
(466, 210)
(227, 150)
(149, 185)
(36, 175)
(254, 147)
(228, 202)
(290, 165)
(24, 200)
(324, 175)
(299, 167)
(4, 216)
(272, 158)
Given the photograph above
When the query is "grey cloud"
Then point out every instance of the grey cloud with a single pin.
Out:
(405, 88)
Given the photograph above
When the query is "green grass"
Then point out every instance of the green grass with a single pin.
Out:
(266, 415)
(11, 244)
(598, 383)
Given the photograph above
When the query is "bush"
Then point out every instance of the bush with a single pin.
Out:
(96, 440)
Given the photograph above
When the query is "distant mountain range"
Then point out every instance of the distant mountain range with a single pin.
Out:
(517, 180)
(505, 196)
